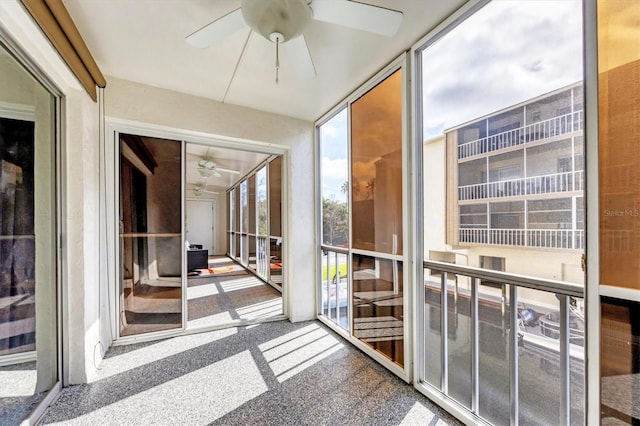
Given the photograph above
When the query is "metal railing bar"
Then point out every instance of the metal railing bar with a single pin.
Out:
(541, 284)
(565, 388)
(513, 354)
(334, 249)
(475, 348)
(444, 333)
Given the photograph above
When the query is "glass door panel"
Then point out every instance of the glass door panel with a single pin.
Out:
(275, 221)
(28, 266)
(619, 198)
(376, 168)
(378, 314)
(262, 225)
(151, 248)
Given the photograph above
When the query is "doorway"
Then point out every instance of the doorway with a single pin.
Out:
(176, 271)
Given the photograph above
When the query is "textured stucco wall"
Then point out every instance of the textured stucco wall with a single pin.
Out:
(126, 100)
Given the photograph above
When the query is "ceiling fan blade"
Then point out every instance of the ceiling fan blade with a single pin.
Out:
(300, 57)
(217, 30)
(356, 15)
(216, 173)
(221, 169)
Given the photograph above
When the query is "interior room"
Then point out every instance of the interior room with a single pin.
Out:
(227, 195)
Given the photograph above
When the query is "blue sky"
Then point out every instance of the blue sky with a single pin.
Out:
(506, 53)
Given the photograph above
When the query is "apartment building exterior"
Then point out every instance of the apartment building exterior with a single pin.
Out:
(515, 178)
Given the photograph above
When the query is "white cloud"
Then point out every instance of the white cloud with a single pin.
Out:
(334, 169)
(506, 53)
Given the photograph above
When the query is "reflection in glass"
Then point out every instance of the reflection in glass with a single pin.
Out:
(28, 272)
(618, 142)
(378, 314)
(151, 234)
(275, 197)
(376, 167)
(334, 182)
(620, 361)
(275, 221)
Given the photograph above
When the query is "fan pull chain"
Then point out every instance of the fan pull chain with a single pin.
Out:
(277, 58)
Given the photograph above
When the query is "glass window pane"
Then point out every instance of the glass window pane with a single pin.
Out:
(275, 197)
(376, 167)
(620, 361)
(334, 287)
(493, 338)
(502, 132)
(251, 193)
(510, 140)
(619, 127)
(151, 237)
(378, 318)
(28, 279)
(334, 184)
(262, 261)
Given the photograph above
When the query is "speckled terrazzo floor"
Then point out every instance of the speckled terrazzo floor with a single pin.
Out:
(276, 373)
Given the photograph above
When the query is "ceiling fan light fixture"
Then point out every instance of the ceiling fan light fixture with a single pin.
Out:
(286, 18)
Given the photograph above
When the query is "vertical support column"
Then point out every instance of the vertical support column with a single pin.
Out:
(513, 353)
(565, 388)
(475, 349)
(444, 332)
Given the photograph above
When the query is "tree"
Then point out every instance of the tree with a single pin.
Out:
(335, 227)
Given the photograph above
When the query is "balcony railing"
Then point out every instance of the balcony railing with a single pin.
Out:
(504, 355)
(539, 238)
(545, 184)
(568, 123)
(334, 288)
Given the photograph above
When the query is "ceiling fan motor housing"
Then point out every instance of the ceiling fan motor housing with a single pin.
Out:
(280, 18)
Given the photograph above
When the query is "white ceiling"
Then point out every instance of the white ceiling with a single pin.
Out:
(143, 41)
(240, 161)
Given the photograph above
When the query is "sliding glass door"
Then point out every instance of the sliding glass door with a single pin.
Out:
(29, 290)
(361, 150)
(151, 249)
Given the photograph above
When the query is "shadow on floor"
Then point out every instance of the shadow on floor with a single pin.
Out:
(275, 373)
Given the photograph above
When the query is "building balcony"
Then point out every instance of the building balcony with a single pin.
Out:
(535, 185)
(564, 124)
(538, 238)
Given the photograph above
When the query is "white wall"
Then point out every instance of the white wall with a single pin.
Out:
(141, 104)
(79, 194)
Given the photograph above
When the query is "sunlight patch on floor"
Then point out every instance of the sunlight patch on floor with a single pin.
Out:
(240, 284)
(264, 309)
(418, 415)
(210, 320)
(156, 351)
(196, 398)
(204, 290)
(293, 353)
(17, 383)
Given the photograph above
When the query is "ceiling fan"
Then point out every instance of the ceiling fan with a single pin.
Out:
(206, 167)
(199, 189)
(284, 21)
